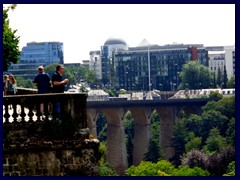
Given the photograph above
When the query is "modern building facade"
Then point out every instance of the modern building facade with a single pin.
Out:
(220, 56)
(35, 54)
(132, 70)
(95, 63)
(108, 50)
(230, 60)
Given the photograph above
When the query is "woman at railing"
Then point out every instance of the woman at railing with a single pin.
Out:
(11, 85)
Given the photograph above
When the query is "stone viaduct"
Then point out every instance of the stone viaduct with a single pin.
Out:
(141, 110)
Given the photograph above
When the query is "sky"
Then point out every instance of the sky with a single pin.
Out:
(85, 27)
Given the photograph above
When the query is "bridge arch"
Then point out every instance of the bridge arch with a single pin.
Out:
(168, 111)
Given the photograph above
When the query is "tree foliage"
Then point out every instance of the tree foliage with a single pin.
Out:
(194, 143)
(230, 169)
(195, 76)
(231, 82)
(101, 124)
(82, 73)
(215, 142)
(11, 51)
(164, 168)
(25, 83)
(180, 138)
(129, 131)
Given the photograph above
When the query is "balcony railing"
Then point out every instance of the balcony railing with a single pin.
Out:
(41, 107)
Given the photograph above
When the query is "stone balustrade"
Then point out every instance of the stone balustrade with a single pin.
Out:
(39, 107)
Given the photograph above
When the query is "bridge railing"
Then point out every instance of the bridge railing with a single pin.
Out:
(41, 107)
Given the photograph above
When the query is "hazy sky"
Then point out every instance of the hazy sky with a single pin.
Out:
(85, 27)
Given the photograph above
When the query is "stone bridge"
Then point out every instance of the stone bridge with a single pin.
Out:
(76, 107)
(141, 110)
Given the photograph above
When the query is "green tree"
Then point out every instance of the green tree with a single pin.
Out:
(25, 83)
(129, 131)
(214, 142)
(225, 79)
(153, 153)
(164, 168)
(230, 169)
(193, 143)
(180, 137)
(155, 125)
(231, 82)
(213, 119)
(219, 77)
(105, 169)
(101, 124)
(10, 41)
(82, 73)
(230, 134)
(154, 150)
(195, 76)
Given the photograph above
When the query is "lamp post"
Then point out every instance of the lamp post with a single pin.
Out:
(149, 80)
(211, 85)
(174, 84)
(160, 85)
(177, 78)
(222, 85)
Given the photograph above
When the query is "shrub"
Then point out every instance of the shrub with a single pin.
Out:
(195, 158)
(187, 171)
(218, 162)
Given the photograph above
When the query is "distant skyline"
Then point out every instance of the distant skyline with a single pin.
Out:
(85, 27)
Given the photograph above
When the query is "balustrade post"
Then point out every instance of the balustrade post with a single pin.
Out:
(75, 105)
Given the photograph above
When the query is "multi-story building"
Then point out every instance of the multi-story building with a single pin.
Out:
(95, 63)
(35, 54)
(132, 66)
(230, 60)
(220, 56)
(110, 47)
(216, 61)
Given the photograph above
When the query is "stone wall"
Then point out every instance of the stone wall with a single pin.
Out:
(31, 154)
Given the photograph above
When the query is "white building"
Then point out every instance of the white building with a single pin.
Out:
(230, 60)
(95, 63)
(220, 56)
(216, 61)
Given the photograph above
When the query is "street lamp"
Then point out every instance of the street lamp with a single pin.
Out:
(149, 80)
(211, 85)
(174, 84)
(222, 85)
(160, 85)
(177, 77)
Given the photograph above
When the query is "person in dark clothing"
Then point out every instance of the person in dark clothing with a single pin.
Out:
(42, 81)
(57, 80)
(58, 86)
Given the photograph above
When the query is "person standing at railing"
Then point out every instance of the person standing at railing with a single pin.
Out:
(11, 86)
(43, 82)
(58, 86)
(5, 82)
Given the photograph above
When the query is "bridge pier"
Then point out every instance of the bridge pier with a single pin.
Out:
(142, 133)
(91, 121)
(167, 122)
(116, 145)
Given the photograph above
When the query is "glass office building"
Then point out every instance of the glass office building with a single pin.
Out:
(132, 70)
(36, 54)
